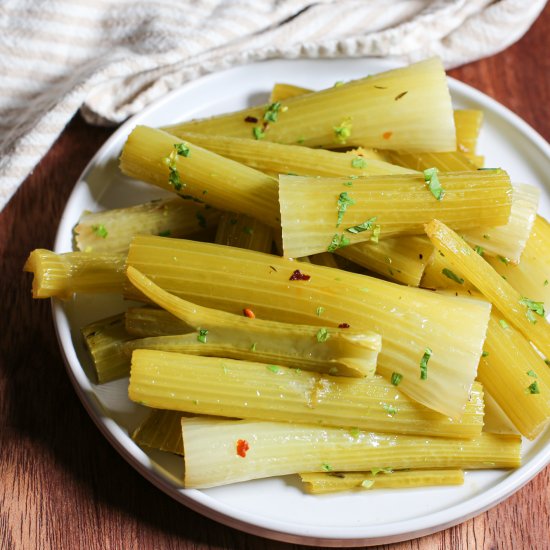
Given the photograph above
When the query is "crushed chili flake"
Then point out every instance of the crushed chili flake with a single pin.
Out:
(297, 275)
(343, 325)
(387, 135)
(242, 447)
(252, 119)
(247, 312)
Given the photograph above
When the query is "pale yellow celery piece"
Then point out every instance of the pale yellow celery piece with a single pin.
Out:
(495, 419)
(408, 319)
(464, 261)
(401, 259)
(468, 125)
(274, 449)
(339, 351)
(161, 430)
(244, 232)
(531, 277)
(314, 220)
(509, 240)
(282, 91)
(243, 389)
(104, 340)
(147, 321)
(478, 160)
(438, 276)
(278, 158)
(111, 231)
(453, 161)
(332, 482)
(406, 108)
(516, 376)
(324, 258)
(61, 275)
(221, 182)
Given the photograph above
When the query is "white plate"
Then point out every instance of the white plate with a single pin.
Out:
(277, 508)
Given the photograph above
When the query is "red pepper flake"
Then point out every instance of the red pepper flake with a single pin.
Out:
(247, 312)
(252, 119)
(387, 135)
(343, 325)
(242, 447)
(297, 275)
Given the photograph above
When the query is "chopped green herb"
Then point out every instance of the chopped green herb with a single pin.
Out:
(319, 311)
(338, 241)
(532, 373)
(201, 219)
(375, 234)
(545, 282)
(453, 276)
(504, 260)
(322, 335)
(272, 112)
(358, 162)
(343, 132)
(432, 181)
(354, 432)
(484, 353)
(479, 250)
(258, 133)
(365, 226)
(253, 347)
(174, 178)
(534, 388)
(390, 409)
(503, 324)
(344, 200)
(396, 378)
(532, 308)
(376, 471)
(348, 183)
(424, 364)
(166, 233)
(182, 150)
(301, 140)
(327, 468)
(273, 368)
(100, 230)
(367, 483)
(201, 337)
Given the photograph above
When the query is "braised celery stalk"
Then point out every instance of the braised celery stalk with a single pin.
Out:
(161, 430)
(165, 160)
(244, 389)
(408, 319)
(282, 91)
(406, 108)
(61, 275)
(320, 214)
(468, 125)
(340, 351)
(218, 452)
(111, 231)
(143, 322)
(244, 232)
(527, 315)
(104, 340)
(453, 161)
(318, 483)
(279, 158)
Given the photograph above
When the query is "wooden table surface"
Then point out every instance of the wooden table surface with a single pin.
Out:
(64, 487)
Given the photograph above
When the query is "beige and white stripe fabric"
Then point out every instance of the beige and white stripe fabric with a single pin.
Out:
(110, 58)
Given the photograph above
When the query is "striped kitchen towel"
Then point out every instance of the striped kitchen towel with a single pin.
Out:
(110, 58)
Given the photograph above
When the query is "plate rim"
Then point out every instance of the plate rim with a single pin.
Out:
(218, 511)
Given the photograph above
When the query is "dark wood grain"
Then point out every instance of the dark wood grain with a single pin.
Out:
(63, 486)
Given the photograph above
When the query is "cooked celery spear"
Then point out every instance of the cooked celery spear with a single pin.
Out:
(152, 156)
(61, 275)
(409, 320)
(378, 478)
(282, 91)
(293, 159)
(148, 321)
(244, 232)
(468, 124)
(453, 161)
(524, 313)
(320, 214)
(407, 108)
(104, 340)
(220, 334)
(111, 231)
(243, 389)
(218, 452)
(161, 430)
(495, 420)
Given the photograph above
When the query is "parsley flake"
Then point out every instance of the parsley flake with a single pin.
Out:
(365, 226)
(375, 234)
(258, 133)
(479, 250)
(390, 409)
(432, 181)
(322, 335)
(396, 378)
(533, 388)
(344, 200)
(100, 231)
(343, 132)
(174, 178)
(272, 112)
(358, 162)
(319, 311)
(253, 347)
(503, 324)
(424, 364)
(453, 276)
(338, 241)
(273, 368)
(201, 337)
(545, 282)
(327, 467)
(504, 260)
(532, 373)
(182, 149)
(484, 353)
(532, 308)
